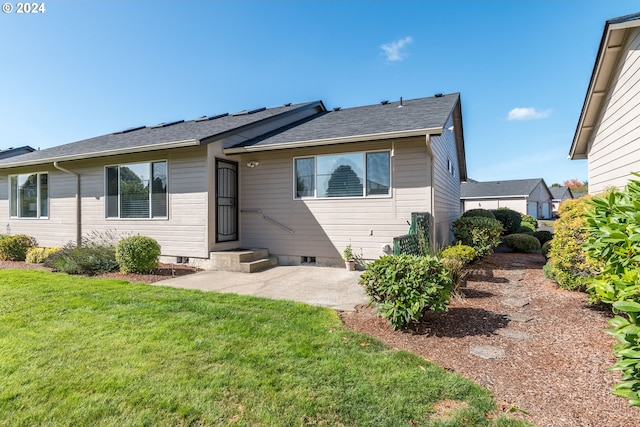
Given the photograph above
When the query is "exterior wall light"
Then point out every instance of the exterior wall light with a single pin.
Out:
(253, 164)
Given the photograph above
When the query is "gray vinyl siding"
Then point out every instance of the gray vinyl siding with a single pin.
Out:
(184, 233)
(446, 207)
(323, 227)
(615, 150)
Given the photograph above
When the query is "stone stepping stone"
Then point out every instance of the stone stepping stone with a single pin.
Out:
(517, 264)
(511, 292)
(519, 317)
(513, 333)
(487, 351)
(516, 302)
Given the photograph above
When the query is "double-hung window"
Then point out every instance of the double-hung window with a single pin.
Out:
(343, 175)
(136, 190)
(29, 195)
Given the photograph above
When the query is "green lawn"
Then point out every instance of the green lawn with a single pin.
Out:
(78, 351)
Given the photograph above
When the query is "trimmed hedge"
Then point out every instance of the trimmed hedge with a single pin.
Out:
(484, 213)
(509, 219)
(521, 242)
(482, 234)
(464, 253)
(138, 254)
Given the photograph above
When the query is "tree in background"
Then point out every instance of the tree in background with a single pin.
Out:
(577, 186)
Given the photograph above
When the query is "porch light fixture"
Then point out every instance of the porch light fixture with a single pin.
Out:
(253, 163)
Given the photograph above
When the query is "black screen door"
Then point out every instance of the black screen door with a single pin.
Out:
(226, 201)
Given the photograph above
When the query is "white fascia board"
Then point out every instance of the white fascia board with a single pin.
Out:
(106, 153)
(339, 140)
(495, 197)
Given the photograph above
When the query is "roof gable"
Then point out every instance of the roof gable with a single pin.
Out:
(497, 189)
(607, 59)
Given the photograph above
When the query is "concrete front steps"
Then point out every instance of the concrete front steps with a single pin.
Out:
(242, 260)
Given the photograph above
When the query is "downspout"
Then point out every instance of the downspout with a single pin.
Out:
(432, 227)
(78, 205)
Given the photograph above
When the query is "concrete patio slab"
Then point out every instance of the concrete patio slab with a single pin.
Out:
(321, 286)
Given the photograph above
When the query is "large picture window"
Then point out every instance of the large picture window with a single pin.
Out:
(343, 175)
(29, 195)
(137, 190)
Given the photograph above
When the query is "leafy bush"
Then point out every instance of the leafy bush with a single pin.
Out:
(572, 267)
(521, 242)
(404, 286)
(524, 229)
(89, 259)
(529, 221)
(613, 227)
(15, 248)
(39, 255)
(546, 247)
(509, 219)
(543, 236)
(547, 270)
(139, 254)
(454, 267)
(484, 213)
(464, 253)
(482, 234)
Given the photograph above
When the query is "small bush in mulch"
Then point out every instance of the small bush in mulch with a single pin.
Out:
(15, 248)
(37, 255)
(521, 242)
(138, 254)
(88, 260)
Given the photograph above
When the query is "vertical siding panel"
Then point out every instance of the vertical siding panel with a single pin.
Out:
(614, 152)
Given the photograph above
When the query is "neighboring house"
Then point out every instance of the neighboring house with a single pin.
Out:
(559, 195)
(527, 196)
(608, 134)
(298, 180)
(11, 152)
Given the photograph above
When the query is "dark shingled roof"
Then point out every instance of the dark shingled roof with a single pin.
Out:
(560, 192)
(145, 138)
(415, 114)
(12, 152)
(517, 187)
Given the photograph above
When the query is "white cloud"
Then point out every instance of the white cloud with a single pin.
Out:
(395, 51)
(527, 114)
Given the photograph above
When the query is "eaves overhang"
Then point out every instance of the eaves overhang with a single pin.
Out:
(105, 153)
(612, 42)
(332, 141)
(517, 196)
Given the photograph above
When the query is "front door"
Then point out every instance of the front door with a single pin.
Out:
(226, 201)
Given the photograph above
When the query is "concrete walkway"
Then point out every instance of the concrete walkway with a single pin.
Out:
(322, 286)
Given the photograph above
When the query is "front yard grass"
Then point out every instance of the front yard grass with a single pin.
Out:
(80, 351)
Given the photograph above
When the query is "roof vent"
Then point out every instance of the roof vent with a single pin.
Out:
(129, 130)
(400, 103)
(257, 110)
(205, 118)
(166, 124)
(241, 113)
(288, 104)
(438, 95)
(336, 108)
(385, 102)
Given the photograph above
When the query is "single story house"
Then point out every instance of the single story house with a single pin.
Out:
(559, 195)
(299, 180)
(527, 196)
(608, 135)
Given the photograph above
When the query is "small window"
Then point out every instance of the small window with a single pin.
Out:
(29, 195)
(136, 190)
(343, 175)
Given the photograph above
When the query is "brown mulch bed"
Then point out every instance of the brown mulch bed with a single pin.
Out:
(555, 368)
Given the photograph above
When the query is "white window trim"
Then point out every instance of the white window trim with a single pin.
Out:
(364, 184)
(106, 188)
(39, 203)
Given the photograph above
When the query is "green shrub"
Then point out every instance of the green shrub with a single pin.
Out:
(39, 255)
(404, 286)
(521, 242)
(509, 219)
(454, 266)
(547, 270)
(529, 221)
(15, 248)
(524, 229)
(484, 213)
(572, 266)
(613, 226)
(482, 234)
(139, 254)
(464, 253)
(543, 236)
(546, 247)
(89, 259)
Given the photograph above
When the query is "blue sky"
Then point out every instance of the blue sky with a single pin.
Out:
(86, 68)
